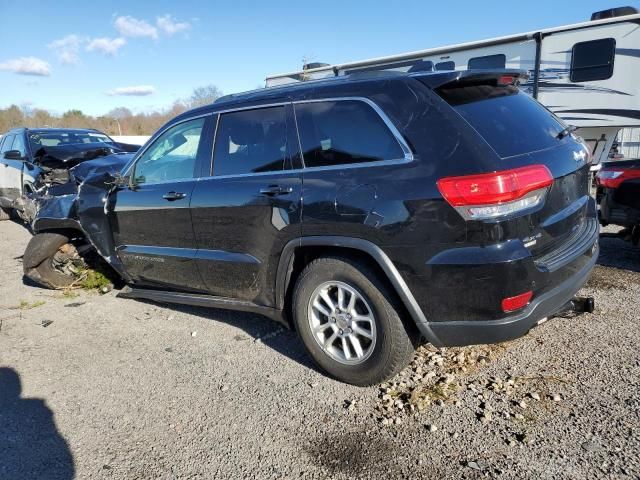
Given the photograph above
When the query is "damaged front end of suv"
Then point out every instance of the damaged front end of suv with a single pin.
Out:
(51, 167)
(71, 226)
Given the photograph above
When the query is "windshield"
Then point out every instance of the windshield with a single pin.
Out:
(509, 120)
(60, 137)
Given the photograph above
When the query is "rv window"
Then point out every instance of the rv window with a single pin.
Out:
(593, 60)
(446, 65)
(343, 132)
(251, 141)
(488, 61)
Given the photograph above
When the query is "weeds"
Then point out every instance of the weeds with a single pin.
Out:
(25, 305)
(93, 279)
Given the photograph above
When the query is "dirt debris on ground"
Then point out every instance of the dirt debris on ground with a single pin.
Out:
(118, 388)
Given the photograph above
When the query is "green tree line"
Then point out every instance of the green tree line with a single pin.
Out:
(119, 121)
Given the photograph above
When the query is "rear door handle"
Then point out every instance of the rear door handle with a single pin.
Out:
(273, 190)
(174, 196)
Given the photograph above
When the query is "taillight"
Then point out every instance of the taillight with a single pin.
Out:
(492, 195)
(613, 178)
(506, 80)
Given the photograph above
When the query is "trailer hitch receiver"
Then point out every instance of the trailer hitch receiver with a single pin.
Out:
(582, 304)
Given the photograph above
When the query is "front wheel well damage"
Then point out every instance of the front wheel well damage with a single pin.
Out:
(87, 251)
(72, 234)
(304, 255)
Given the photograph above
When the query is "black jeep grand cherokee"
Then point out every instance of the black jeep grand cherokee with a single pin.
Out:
(366, 210)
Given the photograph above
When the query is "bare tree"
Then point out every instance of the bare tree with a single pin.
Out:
(118, 121)
(204, 96)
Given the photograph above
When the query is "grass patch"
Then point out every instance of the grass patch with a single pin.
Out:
(93, 280)
(89, 279)
(26, 305)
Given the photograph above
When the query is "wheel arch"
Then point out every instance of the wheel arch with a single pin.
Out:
(64, 226)
(299, 252)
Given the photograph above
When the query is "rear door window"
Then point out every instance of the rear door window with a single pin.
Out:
(488, 61)
(251, 141)
(593, 60)
(509, 120)
(344, 132)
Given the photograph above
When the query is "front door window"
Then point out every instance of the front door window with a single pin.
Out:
(172, 156)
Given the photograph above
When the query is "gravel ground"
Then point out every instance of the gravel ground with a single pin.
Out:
(114, 388)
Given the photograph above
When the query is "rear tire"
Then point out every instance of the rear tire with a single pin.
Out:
(371, 342)
(38, 261)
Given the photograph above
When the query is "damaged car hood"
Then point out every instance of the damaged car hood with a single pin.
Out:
(110, 164)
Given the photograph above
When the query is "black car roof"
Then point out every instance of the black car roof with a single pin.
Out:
(334, 85)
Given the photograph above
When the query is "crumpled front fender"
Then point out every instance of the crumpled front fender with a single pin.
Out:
(56, 212)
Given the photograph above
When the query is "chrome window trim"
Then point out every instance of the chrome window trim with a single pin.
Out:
(408, 154)
(126, 170)
(253, 107)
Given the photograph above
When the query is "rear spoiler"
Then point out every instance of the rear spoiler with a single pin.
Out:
(435, 80)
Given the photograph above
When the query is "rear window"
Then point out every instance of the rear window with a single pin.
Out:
(344, 132)
(509, 120)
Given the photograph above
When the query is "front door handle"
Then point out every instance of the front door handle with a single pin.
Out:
(273, 190)
(174, 196)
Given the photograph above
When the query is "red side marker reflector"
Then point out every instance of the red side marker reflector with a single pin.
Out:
(511, 304)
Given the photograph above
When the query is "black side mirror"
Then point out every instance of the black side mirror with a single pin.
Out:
(14, 155)
(117, 179)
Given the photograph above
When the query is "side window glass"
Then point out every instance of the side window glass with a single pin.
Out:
(593, 60)
(6, 145)
(251, 141)
(449, 65)
(172, 156)
(488, 61)
(344, 132)
(18, 144)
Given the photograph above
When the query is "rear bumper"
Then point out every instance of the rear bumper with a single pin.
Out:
(471, 332)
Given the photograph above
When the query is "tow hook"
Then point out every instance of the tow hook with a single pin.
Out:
(582, 304)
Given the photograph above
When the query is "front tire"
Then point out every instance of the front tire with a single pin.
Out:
(347, 318)
(51, 261)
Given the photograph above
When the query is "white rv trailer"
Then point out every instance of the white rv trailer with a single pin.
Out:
(588, 73)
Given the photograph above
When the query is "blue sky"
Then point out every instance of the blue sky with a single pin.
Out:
(87, 54)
